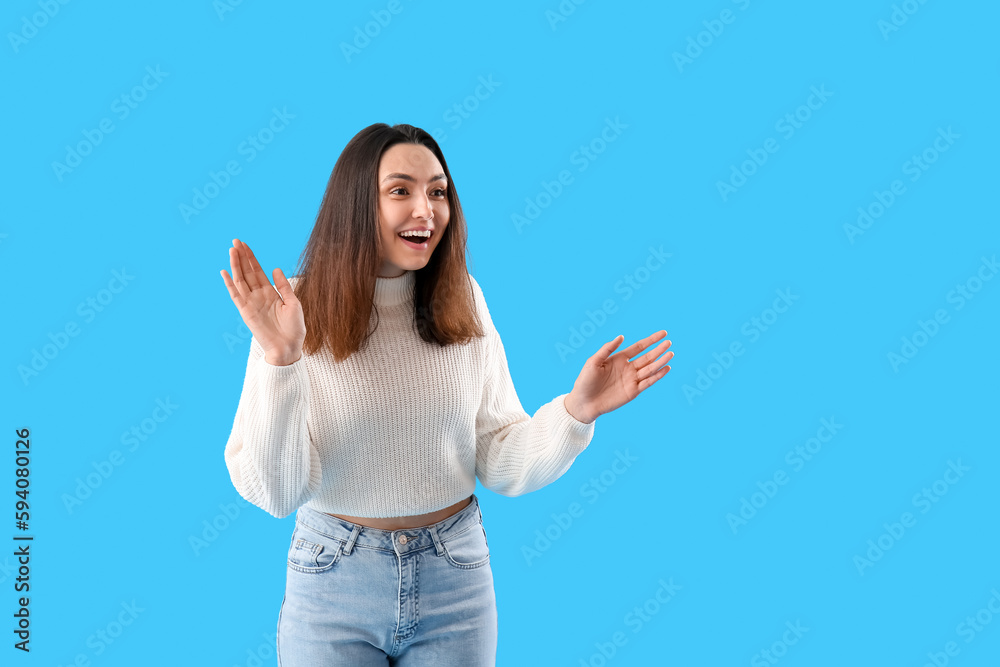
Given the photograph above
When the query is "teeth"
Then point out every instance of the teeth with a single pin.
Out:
(423, 235)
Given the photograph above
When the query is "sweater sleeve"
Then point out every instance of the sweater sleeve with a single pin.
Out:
(515, 453)
(271, 458)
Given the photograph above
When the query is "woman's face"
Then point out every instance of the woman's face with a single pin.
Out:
(412, 195)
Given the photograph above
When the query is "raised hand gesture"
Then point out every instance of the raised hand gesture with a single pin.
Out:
(609, 381)
(276, 322)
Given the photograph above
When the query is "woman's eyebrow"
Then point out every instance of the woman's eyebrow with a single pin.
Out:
(407, 177)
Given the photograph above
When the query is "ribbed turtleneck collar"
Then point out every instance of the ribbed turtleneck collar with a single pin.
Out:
(394, 291)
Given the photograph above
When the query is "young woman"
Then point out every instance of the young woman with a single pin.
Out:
(376, 392)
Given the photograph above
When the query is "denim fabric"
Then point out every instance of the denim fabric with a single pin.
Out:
(362, 596)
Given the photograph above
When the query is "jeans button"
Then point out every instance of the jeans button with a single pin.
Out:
(402, 539)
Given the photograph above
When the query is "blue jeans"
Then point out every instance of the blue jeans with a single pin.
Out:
(362, 596)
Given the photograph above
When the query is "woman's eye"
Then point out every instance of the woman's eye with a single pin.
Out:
(440, 190)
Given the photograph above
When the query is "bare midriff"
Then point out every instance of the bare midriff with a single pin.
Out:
(405, 522)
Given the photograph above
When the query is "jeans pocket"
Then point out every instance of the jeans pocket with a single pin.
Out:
(467, 550)
(312, 552)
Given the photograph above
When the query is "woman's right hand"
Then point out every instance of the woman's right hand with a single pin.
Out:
(275, 321)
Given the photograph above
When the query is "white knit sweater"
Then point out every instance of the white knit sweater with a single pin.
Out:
(403, 427)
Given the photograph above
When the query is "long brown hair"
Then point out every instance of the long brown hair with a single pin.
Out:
(338, 266)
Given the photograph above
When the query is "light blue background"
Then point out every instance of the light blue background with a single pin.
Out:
(173, 332)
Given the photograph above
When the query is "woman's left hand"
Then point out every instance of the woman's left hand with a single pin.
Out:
(609, 381)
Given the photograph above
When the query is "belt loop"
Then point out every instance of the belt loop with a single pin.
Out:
(350, 542)
(437, 540)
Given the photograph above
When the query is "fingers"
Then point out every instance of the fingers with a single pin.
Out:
(648, 382)
(258, 278)
(644, 344)
(233, 292)
(641, 345)
(647, 368)
(239, 281)
(281, 283)
(649, 357)
(607, 349)
(249, 266)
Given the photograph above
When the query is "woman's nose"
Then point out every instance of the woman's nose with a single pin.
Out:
(423, 208)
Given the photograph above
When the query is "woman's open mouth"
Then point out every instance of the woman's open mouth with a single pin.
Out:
(415, 242)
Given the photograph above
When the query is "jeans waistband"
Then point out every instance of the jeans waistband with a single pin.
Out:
(402, 540)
